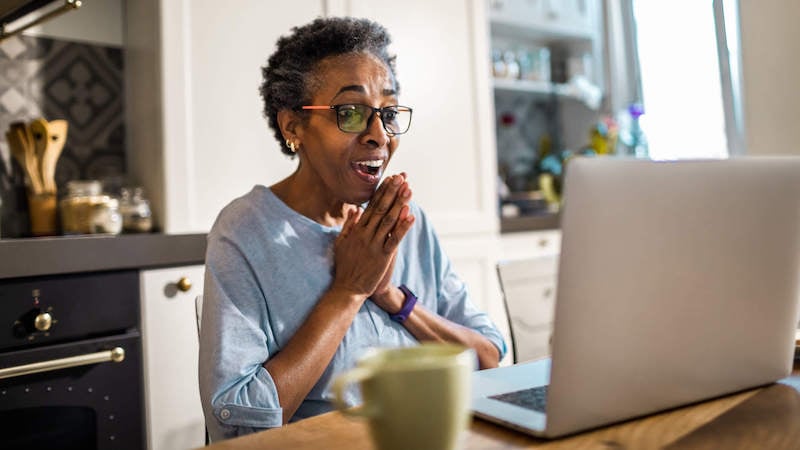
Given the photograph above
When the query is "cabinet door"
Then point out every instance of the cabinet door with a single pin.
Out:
(170, 346)
(530, 244)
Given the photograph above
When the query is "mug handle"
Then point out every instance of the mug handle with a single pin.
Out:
(356, 375)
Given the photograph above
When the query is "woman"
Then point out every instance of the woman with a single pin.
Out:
(300, 279)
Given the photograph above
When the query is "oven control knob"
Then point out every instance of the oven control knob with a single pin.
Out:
(43, 321)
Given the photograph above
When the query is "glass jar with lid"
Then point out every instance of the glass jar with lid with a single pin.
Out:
(86, 210)
(136, 214)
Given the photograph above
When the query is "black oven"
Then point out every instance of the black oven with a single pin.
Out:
(70, 362)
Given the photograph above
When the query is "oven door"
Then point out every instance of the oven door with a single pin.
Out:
(77, 395)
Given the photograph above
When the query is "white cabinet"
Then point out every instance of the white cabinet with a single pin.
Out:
(529, 270)
(530, 244)
(170, 349)
(197, 136)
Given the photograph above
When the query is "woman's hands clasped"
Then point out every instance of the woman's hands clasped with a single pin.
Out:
(365, 250)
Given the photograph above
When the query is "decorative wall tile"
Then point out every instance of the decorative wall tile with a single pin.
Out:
(56, 79)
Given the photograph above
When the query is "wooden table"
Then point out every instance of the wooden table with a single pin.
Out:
(763, 418)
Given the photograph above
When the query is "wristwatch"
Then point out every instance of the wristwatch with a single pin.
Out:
(408, 305)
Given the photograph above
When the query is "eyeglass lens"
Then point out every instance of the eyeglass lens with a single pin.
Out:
(355, 118)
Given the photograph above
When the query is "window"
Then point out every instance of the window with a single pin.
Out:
(689, 78)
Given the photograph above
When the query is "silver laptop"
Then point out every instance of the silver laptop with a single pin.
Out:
(678, 282)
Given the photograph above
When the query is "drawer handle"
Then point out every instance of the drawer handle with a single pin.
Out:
(184, 284)
(117, 354)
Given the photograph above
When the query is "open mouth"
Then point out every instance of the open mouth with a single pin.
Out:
(370, 169)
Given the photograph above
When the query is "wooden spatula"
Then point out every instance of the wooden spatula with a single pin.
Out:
(57, 132)
(49, 138)
(25, 155)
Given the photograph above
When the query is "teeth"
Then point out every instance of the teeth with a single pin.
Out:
(375, 163)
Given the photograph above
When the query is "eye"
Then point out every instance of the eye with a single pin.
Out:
(389, 114)
(351, 113)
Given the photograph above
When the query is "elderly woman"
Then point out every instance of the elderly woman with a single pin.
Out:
(300, 279)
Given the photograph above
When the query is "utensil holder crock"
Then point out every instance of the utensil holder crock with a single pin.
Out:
(42, 211)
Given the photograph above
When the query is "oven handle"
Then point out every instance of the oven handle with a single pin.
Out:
(117, 354)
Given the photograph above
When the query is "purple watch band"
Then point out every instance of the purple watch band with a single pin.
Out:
(408, 305)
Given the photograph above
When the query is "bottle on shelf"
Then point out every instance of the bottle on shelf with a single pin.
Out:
(135, 208)
(633, 139)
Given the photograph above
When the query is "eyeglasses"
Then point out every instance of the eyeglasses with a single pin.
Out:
(355, 118)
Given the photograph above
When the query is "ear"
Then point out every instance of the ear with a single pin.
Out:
(289, 123)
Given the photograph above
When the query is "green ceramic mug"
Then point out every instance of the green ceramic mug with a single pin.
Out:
(414, 397)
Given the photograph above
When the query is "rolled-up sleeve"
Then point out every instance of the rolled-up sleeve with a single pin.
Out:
(453, 301)
(454, 304)
(238, 395)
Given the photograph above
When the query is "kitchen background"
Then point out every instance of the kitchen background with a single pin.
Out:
(59, 79)
(193, 135)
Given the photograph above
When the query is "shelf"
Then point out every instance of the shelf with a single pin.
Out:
(543, 88)
(540, 30)
(533, 87)
(547, 221)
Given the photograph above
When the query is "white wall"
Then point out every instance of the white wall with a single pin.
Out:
(771, 75)
(227, 133)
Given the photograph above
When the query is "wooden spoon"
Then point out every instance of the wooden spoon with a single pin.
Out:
(57, 137)
(25, 155)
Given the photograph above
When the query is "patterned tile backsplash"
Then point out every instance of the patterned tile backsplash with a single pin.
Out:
(56, 79)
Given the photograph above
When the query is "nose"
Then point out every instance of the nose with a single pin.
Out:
(375, 133)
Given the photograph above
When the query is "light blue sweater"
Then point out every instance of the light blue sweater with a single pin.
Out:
(266, 268)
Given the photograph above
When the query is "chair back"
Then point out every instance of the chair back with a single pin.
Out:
(198, 311)
(529, 290)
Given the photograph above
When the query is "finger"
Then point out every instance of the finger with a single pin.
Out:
(382, 202)
(383, 196)
(387, 222)
(405, 193)
(353, 215)
(375, 196)
(400, 229)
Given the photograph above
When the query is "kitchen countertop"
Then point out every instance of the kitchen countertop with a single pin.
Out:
(90, 253)
(530, 223)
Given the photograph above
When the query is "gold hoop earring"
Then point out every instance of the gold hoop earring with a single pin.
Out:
(291, 146)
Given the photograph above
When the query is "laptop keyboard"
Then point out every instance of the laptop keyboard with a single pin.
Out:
(533, 398)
